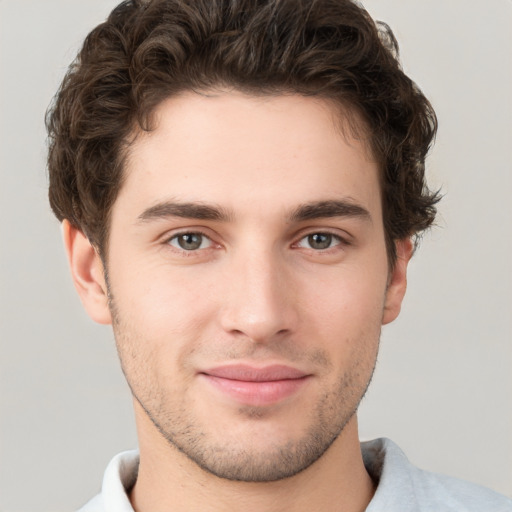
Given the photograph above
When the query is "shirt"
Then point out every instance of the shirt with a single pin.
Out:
(401, 487)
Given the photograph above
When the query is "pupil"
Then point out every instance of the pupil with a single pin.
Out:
(319, 241)
(190, 241)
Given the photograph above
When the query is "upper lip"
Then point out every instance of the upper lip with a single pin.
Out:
(249, 373)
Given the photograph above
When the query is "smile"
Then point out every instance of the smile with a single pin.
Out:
(256, 386)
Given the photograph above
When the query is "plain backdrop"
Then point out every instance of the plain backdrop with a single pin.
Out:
(443, 386)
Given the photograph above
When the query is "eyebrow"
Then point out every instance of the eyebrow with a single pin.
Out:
(326, 209)
(202, 211)
(197, 211)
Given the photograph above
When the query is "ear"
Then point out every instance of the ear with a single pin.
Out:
(87, 273)
(397, 282)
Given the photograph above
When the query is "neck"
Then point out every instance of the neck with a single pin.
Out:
(168, 480)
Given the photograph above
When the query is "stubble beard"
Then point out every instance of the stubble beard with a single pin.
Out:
(254, 464)
(217, 453)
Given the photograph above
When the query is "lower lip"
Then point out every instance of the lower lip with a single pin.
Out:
(257, 393)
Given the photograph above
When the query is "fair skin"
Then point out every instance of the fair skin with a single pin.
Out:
(248, 283)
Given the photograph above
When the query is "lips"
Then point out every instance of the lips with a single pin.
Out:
(256, 386)
(251, 374)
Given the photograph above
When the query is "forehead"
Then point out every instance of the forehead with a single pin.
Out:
(243, 151)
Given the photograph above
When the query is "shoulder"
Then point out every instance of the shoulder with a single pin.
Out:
(118, 480)
(94, 505)
(403, 487)
(457, 495)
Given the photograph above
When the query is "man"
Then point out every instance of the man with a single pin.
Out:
(241, 184)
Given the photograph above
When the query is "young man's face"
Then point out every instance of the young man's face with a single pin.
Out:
(248, 279)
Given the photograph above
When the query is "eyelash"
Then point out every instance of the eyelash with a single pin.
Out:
(334, 241)
(337, 239)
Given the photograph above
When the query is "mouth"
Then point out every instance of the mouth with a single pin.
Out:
(253, 386)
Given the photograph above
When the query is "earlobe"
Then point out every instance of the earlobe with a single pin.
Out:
(397, 281)
(87, 273)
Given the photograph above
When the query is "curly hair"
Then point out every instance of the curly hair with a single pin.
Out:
(149, 50)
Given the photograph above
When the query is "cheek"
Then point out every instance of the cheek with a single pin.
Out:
(164, 318)
(162, 302)
(155, 337)
(345, 296)
(346, 311)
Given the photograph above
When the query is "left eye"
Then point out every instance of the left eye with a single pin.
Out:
(190, 241)
(319, 241)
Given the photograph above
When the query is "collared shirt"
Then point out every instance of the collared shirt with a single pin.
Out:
(401, 487)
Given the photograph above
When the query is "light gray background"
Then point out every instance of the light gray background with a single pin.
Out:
(443, 388)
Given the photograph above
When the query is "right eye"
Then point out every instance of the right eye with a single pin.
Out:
(190, 241)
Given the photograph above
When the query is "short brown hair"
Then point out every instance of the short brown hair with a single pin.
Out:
(149, 50)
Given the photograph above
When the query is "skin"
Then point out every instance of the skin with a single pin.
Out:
(289, 267)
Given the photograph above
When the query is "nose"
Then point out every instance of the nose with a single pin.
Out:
(258, 297)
